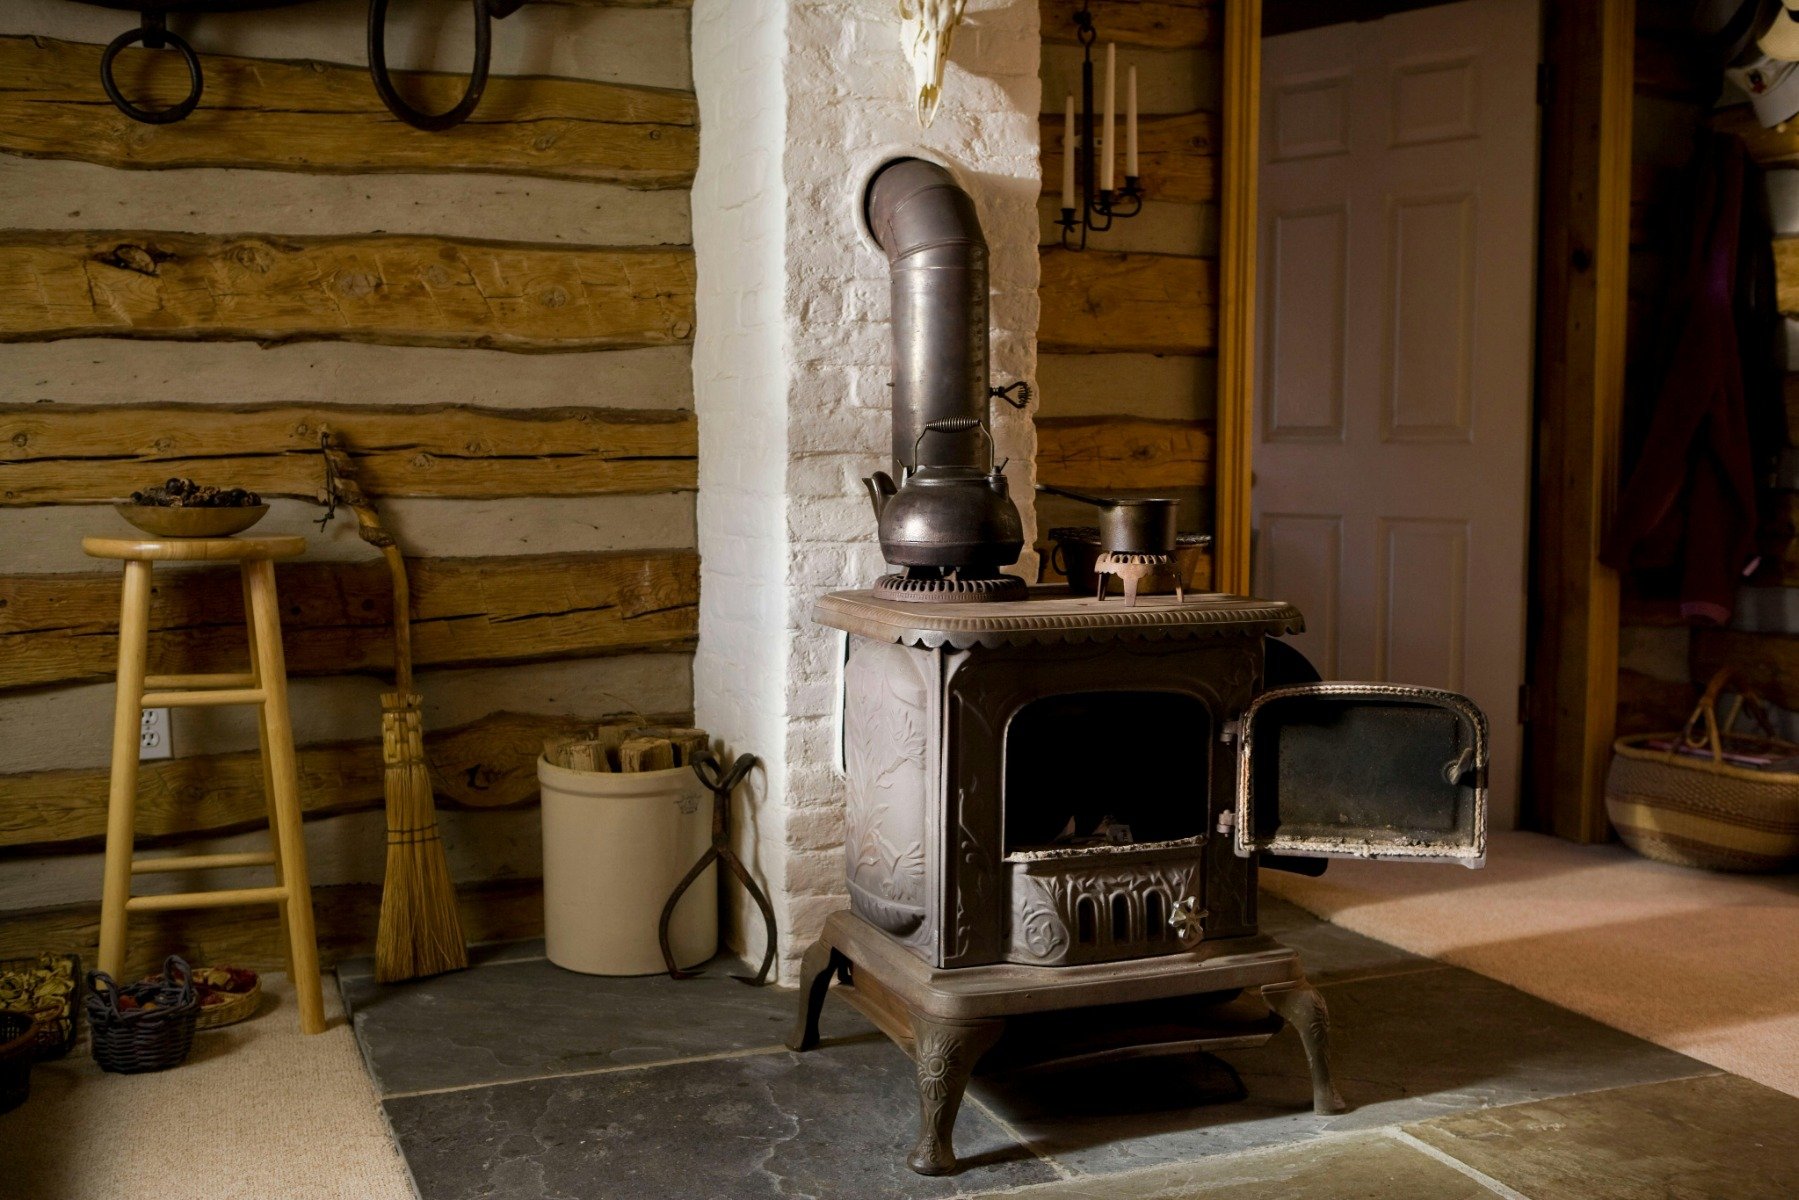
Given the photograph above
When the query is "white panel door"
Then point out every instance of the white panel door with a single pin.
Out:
(1398, 248)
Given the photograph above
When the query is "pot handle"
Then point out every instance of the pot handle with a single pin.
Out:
(1081, 496)
(1055, 561)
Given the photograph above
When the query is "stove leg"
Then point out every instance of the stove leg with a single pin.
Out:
(1300, 1005)
(815, 980)
(946, 1054)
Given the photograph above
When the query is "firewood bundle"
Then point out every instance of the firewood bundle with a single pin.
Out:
(627, 748)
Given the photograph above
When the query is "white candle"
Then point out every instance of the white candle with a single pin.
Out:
(1071, 147)
(1130, 125)
(1106, 140)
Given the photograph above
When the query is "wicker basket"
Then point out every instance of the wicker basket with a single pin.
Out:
(235, 1007)
(135, 1039)
(56, 1025)
(18, 1047)
(1704, 811)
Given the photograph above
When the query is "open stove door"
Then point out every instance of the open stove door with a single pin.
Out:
(1363, 770)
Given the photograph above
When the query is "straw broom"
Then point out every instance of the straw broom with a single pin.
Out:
(420, 931)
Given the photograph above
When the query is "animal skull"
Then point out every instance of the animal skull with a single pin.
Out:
(926, 30)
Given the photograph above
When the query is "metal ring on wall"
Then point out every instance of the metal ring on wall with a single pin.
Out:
(477, 82)
(154, 36)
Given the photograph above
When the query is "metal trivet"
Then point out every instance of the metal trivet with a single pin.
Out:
(924, 588)
(1131, 569)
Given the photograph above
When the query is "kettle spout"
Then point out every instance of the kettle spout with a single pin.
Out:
(880, 491)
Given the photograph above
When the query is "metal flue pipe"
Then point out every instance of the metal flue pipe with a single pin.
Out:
(928, 228)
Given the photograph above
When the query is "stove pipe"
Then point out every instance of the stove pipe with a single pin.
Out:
(950, 511)
(927, 225)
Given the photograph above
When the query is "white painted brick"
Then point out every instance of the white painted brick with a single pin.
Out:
(791, 362)
(817, 828)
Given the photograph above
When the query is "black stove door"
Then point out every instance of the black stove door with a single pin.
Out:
(1363, 770)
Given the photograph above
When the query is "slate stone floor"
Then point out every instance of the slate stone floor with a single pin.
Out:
(516, 1080)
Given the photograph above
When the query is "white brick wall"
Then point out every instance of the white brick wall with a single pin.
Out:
(798, 104)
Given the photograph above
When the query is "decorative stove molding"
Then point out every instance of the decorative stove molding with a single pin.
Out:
(889, 741)
(1052, 616)
(1047, 897)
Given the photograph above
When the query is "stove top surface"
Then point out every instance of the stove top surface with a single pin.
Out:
(1051, 613)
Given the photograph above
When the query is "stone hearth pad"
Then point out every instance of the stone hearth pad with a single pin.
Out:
(519, 1081)
(531, 1019)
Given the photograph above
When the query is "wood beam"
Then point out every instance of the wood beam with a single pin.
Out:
(1647, 704)
(1778, 146)
(1239, 128)
(335, 616)
(1177, 153)
(345, 917)
(1582, 314)
(1153, 24)
(1123, 452)
(403, 291)
(1786, 275)
(87, 454)
(490, 763)
(309, 116)
(1103, 302)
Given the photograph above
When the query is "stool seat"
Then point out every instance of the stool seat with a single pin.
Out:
(219, 549)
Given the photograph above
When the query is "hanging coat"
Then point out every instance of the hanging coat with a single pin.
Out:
(1693, 506)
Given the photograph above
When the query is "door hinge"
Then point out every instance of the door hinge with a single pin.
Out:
(1524, 704)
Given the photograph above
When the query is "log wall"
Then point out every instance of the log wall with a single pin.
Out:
(495, 320)
(1128, 331)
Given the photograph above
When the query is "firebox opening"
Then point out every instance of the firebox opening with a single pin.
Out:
(1092, 769)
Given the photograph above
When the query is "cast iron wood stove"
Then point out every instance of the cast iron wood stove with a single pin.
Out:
(1056, 802)
(1055, 806)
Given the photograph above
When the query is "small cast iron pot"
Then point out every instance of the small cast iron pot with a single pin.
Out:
(1128, 524)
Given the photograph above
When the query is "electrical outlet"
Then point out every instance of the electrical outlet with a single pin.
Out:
(153, 735)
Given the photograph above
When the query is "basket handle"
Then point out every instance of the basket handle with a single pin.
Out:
(170, 966)
(102, 987)
(1707, 711)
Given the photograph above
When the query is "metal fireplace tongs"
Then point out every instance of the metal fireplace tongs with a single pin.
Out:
(153, 32)
(721, 784)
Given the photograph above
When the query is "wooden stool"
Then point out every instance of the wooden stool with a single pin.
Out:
(264, 685)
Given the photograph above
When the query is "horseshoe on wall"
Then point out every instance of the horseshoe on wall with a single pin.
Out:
(486, 13)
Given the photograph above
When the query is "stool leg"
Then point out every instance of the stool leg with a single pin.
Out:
(296, 910)
(127, 736)
(268, 777)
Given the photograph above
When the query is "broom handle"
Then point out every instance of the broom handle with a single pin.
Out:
(346, 488)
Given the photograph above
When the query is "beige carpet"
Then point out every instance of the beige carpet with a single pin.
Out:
(1702, 963)
(259, 1111)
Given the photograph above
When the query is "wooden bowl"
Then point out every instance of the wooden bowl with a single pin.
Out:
(192, 522)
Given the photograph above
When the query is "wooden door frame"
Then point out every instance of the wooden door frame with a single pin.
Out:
(1583, 240)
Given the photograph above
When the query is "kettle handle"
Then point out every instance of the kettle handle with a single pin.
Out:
(954, 425)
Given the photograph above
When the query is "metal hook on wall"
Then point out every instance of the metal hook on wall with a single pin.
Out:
(486, 12)
(154, 33)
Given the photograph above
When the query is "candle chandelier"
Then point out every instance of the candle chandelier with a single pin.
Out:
(1100, 201)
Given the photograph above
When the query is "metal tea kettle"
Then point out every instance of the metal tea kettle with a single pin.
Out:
(948, 516)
